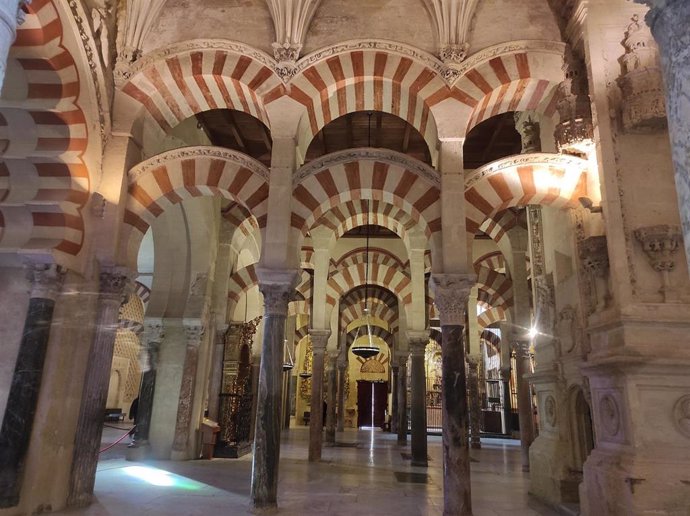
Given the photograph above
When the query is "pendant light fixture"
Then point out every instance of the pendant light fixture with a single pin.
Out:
(369, 349)
(289, 364)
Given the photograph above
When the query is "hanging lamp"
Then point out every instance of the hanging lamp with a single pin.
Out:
(289, 364)
(369, 349)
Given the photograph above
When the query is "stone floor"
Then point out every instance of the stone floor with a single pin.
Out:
(366, 474)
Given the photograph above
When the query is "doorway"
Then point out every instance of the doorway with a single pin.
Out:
(372, 399)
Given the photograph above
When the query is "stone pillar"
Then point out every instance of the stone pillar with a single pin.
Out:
(46, 283)
(153, 335)
(332, 374)
(182, 448)
(524, 396)
(11, 16)
(395, 385)
(669, 21)
(277, 287)
(402, 398)
(319, 340)
(342, 371)
(451, 292)
(90, 425)
(216, 379)
(418, 342)
(474, 401)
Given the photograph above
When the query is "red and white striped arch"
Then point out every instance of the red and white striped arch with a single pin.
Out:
(507, 77)
(180, 174)
(240, 282)
(382, 333)
(492, 316)
(494, 261)
(376, 255)
(496, 284)
(383, 304)
(381, 275)
(304, 289)
(178, 82)
(547, 179)
(491, 338)
(367, 80)
(44, 178)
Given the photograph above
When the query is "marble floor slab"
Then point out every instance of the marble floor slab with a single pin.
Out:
(358, 478)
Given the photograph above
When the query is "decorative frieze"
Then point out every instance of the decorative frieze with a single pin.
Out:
(643, 103)
(660, 244)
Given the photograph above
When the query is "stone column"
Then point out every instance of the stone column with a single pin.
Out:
(113, 283)
(153, 335)
(277, 287)
(332, 374)
(451, 292)
(11, 16)
(342, 370)
(669, 21)
(181, 448)
(395, 381)
(418, 342)
(402, 398)
(524, 396)
(15, 434)
(474, 401)
(319, 340)
(216, 379)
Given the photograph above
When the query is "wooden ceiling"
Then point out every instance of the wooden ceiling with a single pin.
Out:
(238, 131)
(493, 139)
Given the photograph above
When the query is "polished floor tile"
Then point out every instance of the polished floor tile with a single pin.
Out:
(366, 475)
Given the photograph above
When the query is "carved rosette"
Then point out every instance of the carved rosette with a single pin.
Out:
(451, 293)
(644, 103)
(575, 133)
(277, 287)
(46, 280)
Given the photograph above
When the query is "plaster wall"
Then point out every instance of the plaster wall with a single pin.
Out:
(499, 21)
(248, 21)
(14, 303)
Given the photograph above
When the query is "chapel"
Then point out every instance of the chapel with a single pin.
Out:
(373, 257)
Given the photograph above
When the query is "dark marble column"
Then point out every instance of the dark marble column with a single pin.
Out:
(256, 374)
(395, 369)
(332, 375)
(319, 340)
(114, 284)
(474, 401)
(342, 371)
(181, 449)
(277, 287)
(451, 292)
(524, 400)
(418, 342)
(46, 283)
(402, 399)
(153, 337)
(507, 407)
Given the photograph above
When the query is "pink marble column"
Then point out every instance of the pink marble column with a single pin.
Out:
(451, 292)
(319, 340)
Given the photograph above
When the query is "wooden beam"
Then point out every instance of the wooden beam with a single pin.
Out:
(234, 129)
(349, 130)
(406, 138)
(379, 122)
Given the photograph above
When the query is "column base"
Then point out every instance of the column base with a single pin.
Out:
(475, 443)
(622, 484)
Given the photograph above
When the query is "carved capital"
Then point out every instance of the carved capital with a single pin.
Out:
(594, 255)
(46, 280)
(417, 341)
(154, 331)
(530, 133)
(277, 287)
(521, 347)
(116, 283)
(319, 340)
(451, 292)
(660, 243)
(194, 330)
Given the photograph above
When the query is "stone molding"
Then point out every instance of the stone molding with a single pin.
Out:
(541, 158)
(451, 293)
(46, 280)
(277, 286)
(201, 151)
(425, 172)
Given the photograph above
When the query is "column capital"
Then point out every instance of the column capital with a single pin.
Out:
(194, 329)
(451, 292)
(473, 361)
(401, 356)
(46, 280)
(521, 346)
(154, 330)
(116, 283)
(277, 286)
(418, 341)
(319, 340)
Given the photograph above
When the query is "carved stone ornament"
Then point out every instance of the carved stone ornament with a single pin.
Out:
(681, 415)
(575, 133)
(530, 133)
(642, 86)
(46, 280)
(660, 243)
(452, 54)
(319, 340)
(194, 331)
(451, 293)
(594, 255)
(417, 341)
(452, 20)
(277, 287)
(116, 282)
(609, 415)
(291, 19)
(550, 413)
